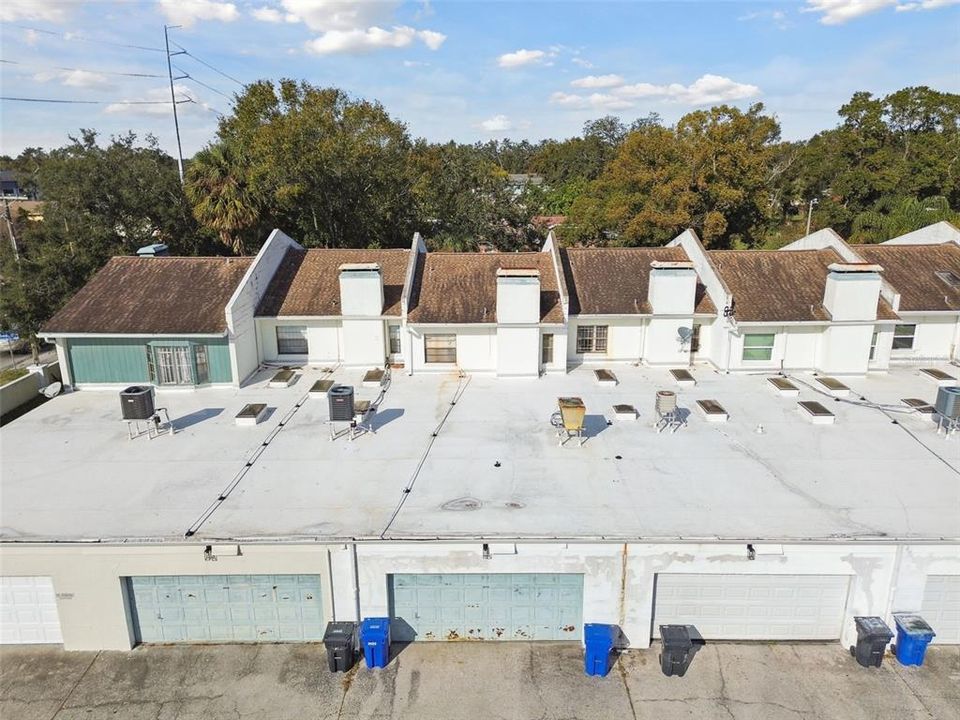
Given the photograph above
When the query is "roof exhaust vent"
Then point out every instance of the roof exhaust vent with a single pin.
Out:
(154, 250)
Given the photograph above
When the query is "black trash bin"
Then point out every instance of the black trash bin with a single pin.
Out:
(675, 651)
(340, 639)
(872, 638)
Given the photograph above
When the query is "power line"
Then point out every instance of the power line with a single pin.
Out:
(73, 69)
(79, 38)
(188, 76)
(204, 62)
(91, 102)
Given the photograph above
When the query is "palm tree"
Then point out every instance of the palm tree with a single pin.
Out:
(222, 198)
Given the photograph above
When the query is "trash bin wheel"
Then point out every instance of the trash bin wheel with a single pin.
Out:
(853, 651)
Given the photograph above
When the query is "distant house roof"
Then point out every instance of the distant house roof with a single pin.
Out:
(308, 281)
(780, 285)
(161, 295)
(616, 280)
(548, 221)
(912, 270)
(462, 287)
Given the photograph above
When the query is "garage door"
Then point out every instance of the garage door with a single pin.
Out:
(533, 606)
(941, 607)
(28, 611)
(753, 607)
(227, 608)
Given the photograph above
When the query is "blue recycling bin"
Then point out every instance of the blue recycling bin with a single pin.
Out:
(913, 636)
(375, 639)
(598, 640)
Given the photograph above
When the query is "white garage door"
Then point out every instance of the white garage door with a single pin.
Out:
(28, 611)
(941, 607)
(753, 607)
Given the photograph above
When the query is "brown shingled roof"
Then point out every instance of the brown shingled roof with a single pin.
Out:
(911, 269)
(780, 285)
(161, 295)
(615, 280)
(308, 281)
(462, 287)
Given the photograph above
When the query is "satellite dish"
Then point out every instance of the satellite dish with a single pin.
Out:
(52, 390)
(684, 333)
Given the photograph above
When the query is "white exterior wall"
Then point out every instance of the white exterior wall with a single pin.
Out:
(363, 341)
(801, 346)
(624, 339)
(476, 348)
(560, 349)
(242, 332)
(323, 340)
(618, 579)
(935, 234)
(845, 349)
(662, 341)
(518, 351)
(852, 295)
(936, 338)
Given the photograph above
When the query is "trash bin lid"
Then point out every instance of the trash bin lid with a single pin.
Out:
(675, 636)
(872, 626)
(913, 624)
(375, 628)
(597, 633)
(339, 632)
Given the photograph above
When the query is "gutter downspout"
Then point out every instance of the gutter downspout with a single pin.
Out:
(356, 581)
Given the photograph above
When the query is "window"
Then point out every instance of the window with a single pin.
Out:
(695, 339)
(291, 340)
(546, 355)
(174, 365)
(758, 346)
(393, 335)
(203, 366)
(903, 336)
(873, 344)
(949, 278)
(592, 339)
(440, 348)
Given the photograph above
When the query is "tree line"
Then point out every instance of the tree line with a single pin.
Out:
(337, 171)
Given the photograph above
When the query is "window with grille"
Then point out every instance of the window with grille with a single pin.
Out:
(440, 348)
(291, 340)
(546, 356)
(203, 365)
(758, 346)
(873, 344)
(592, 339)
(903, 336)
(393, 332)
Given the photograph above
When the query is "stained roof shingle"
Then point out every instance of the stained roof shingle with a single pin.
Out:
(912, 270)
(162, 295)
(308, 281)
(615, 281)
(780, 285)
(462, 287)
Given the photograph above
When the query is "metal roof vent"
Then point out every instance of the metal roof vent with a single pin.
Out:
(154, 250)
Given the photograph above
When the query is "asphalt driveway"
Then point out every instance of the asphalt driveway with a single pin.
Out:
(450, 681)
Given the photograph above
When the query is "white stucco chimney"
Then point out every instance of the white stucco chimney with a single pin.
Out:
(673, 288)
(518, 296)
(852, 291)
(361, 289)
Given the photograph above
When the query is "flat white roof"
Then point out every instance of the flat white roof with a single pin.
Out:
(494, 470)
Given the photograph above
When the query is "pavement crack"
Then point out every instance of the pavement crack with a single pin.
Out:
(75, 685)
(626, 686)
(723, 699)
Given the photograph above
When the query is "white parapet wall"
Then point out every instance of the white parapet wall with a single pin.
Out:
(19, 392)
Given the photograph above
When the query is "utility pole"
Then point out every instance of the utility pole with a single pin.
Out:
(173, 98)
(13, 236)
(813, 201)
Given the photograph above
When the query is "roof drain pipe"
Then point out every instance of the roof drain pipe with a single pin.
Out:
(356, 581)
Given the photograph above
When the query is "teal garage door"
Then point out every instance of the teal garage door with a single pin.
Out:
(534, 606)
(227, 608)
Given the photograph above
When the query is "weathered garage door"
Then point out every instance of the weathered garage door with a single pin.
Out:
(533, 606)
(941, 607)
(753, 607)
(227, 608)
(28, 611)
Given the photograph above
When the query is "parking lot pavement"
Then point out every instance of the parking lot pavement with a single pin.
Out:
(453, 681)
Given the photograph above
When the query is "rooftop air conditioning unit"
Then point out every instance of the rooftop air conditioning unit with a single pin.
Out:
(136, 402)
(948, 402)
(340, 400)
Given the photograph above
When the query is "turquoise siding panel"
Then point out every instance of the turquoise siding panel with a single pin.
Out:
(218, 353)
(108, 360)
(124, 360)
(528, 606)
(227, 608)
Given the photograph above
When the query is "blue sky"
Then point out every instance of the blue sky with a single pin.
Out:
(466, 70)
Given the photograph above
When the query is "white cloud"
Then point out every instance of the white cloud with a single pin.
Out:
(75, 78)
(188, 12)
(837, 12)
(415, 63)
(582, 63)
(498, 123)
(703, 91)
(374, 38)
(54, 11)
(777, 17)
(267, 14)
(595, 101)
(31, 37)
(326, 15)
(598, 81)
(159, 103)
(520, 58)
